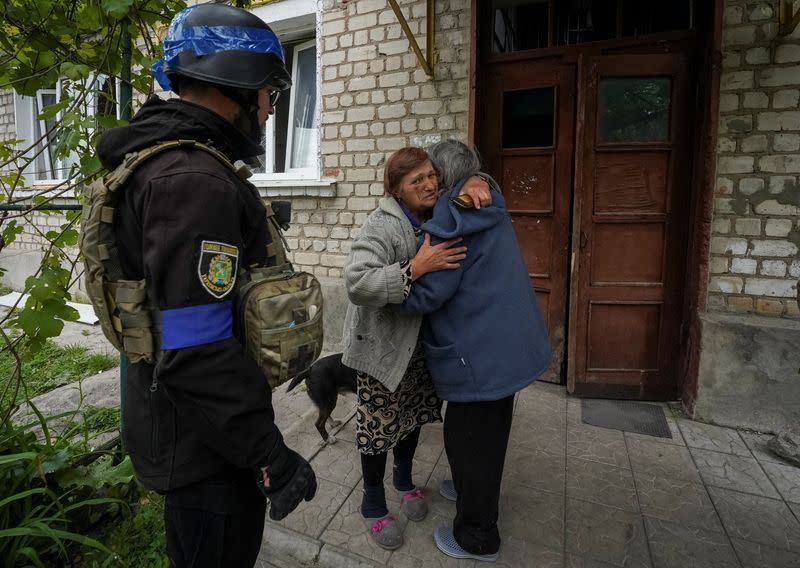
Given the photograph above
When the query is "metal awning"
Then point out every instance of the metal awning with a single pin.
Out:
(425, 61)
(788, 18)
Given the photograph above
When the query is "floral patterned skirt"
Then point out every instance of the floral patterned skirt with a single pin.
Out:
(383, 418)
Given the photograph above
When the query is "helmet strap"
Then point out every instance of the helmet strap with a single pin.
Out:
(247, 99)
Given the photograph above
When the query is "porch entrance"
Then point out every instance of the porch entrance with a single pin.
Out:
(592, 147)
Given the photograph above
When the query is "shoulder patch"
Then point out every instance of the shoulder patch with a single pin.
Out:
(217, 267)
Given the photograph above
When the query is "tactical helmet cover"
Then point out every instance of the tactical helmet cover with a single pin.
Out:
(222, 45)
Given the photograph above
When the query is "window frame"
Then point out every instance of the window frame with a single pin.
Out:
(290, 130)
(26, 118)
(293, 20)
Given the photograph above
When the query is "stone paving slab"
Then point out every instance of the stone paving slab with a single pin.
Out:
(786, 479)
(602, 484)
(733, 472)
(680, 546)
(663, 460)
(757, 444)
(606, 534)
(757, 519)
(677, 501)
(754, 555)
(535, 469)
(573, 496)
(534, 516)
(710, 437)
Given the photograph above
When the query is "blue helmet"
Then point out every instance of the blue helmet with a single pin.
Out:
(222, 45)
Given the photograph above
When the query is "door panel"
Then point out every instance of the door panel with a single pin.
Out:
(629, 226)
(530, 153)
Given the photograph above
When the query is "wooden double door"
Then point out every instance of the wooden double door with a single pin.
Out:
(593, 158)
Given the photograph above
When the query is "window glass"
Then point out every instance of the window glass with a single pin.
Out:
(582, 21)
(641, 18)
(52, 149)
(634, 109)
(291, 134)
(45, 136)
(303, 130)
(532, 24)
(520, 24)
(105, 99)
(528, 118)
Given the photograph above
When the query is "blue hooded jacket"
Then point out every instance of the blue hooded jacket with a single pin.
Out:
(484, 336)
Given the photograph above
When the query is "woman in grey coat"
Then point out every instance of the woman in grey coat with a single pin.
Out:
(395, 393)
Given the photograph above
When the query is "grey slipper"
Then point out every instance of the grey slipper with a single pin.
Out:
(385, 532)
(413, 504)
(447, 489)
(446, 542)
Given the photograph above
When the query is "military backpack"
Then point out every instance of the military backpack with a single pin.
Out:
(277, 310)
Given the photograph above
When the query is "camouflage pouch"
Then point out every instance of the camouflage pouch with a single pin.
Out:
(280, 320)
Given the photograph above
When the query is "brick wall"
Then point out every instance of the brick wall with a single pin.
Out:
(376, 99)
(7, 129)
(29, 239)
(756, 230)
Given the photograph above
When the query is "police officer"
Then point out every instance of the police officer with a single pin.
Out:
(199, 424)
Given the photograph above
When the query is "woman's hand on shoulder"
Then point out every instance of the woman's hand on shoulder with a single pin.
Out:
(478, 189)
(443, 256)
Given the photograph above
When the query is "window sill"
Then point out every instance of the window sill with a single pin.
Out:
(47, 189)
(295, 187)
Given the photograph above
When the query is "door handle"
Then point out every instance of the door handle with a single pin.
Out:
(583, 240)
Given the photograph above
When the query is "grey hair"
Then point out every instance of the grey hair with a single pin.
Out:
(453, 161)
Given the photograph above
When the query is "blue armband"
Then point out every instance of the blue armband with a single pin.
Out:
(196, 325)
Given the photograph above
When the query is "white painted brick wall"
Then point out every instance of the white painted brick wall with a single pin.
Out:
(756, 227)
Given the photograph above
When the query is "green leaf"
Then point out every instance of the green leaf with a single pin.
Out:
(106, 121)
(89, 16)
(39, 325)
(15, 458)
(41, 530)
(90, 165)
(56, 461)
(69, 237)
(11, 179)
(10, 231)
(31, 555)
(116, 8)
(99, 474)
(75, 71)
(51, 111)
(22, 495)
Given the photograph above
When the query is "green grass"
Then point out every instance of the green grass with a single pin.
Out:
(53, 366)
(138, 541)
(102, 419)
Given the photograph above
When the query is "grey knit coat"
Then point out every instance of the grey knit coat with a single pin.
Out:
(377, 338)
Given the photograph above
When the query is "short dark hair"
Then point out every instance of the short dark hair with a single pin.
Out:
(185, 85)
(399, 164)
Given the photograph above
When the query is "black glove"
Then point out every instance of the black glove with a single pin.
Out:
(291, 480)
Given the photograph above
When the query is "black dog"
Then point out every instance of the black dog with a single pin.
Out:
(325, 380)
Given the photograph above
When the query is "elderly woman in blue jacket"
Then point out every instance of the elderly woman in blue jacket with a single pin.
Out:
(484, 340)
(395, 393)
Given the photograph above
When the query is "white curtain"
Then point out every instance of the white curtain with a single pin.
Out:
(304, 131)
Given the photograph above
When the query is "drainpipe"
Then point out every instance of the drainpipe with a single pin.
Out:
(125, 113)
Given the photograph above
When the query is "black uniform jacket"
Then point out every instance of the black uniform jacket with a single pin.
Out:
(186, 224)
